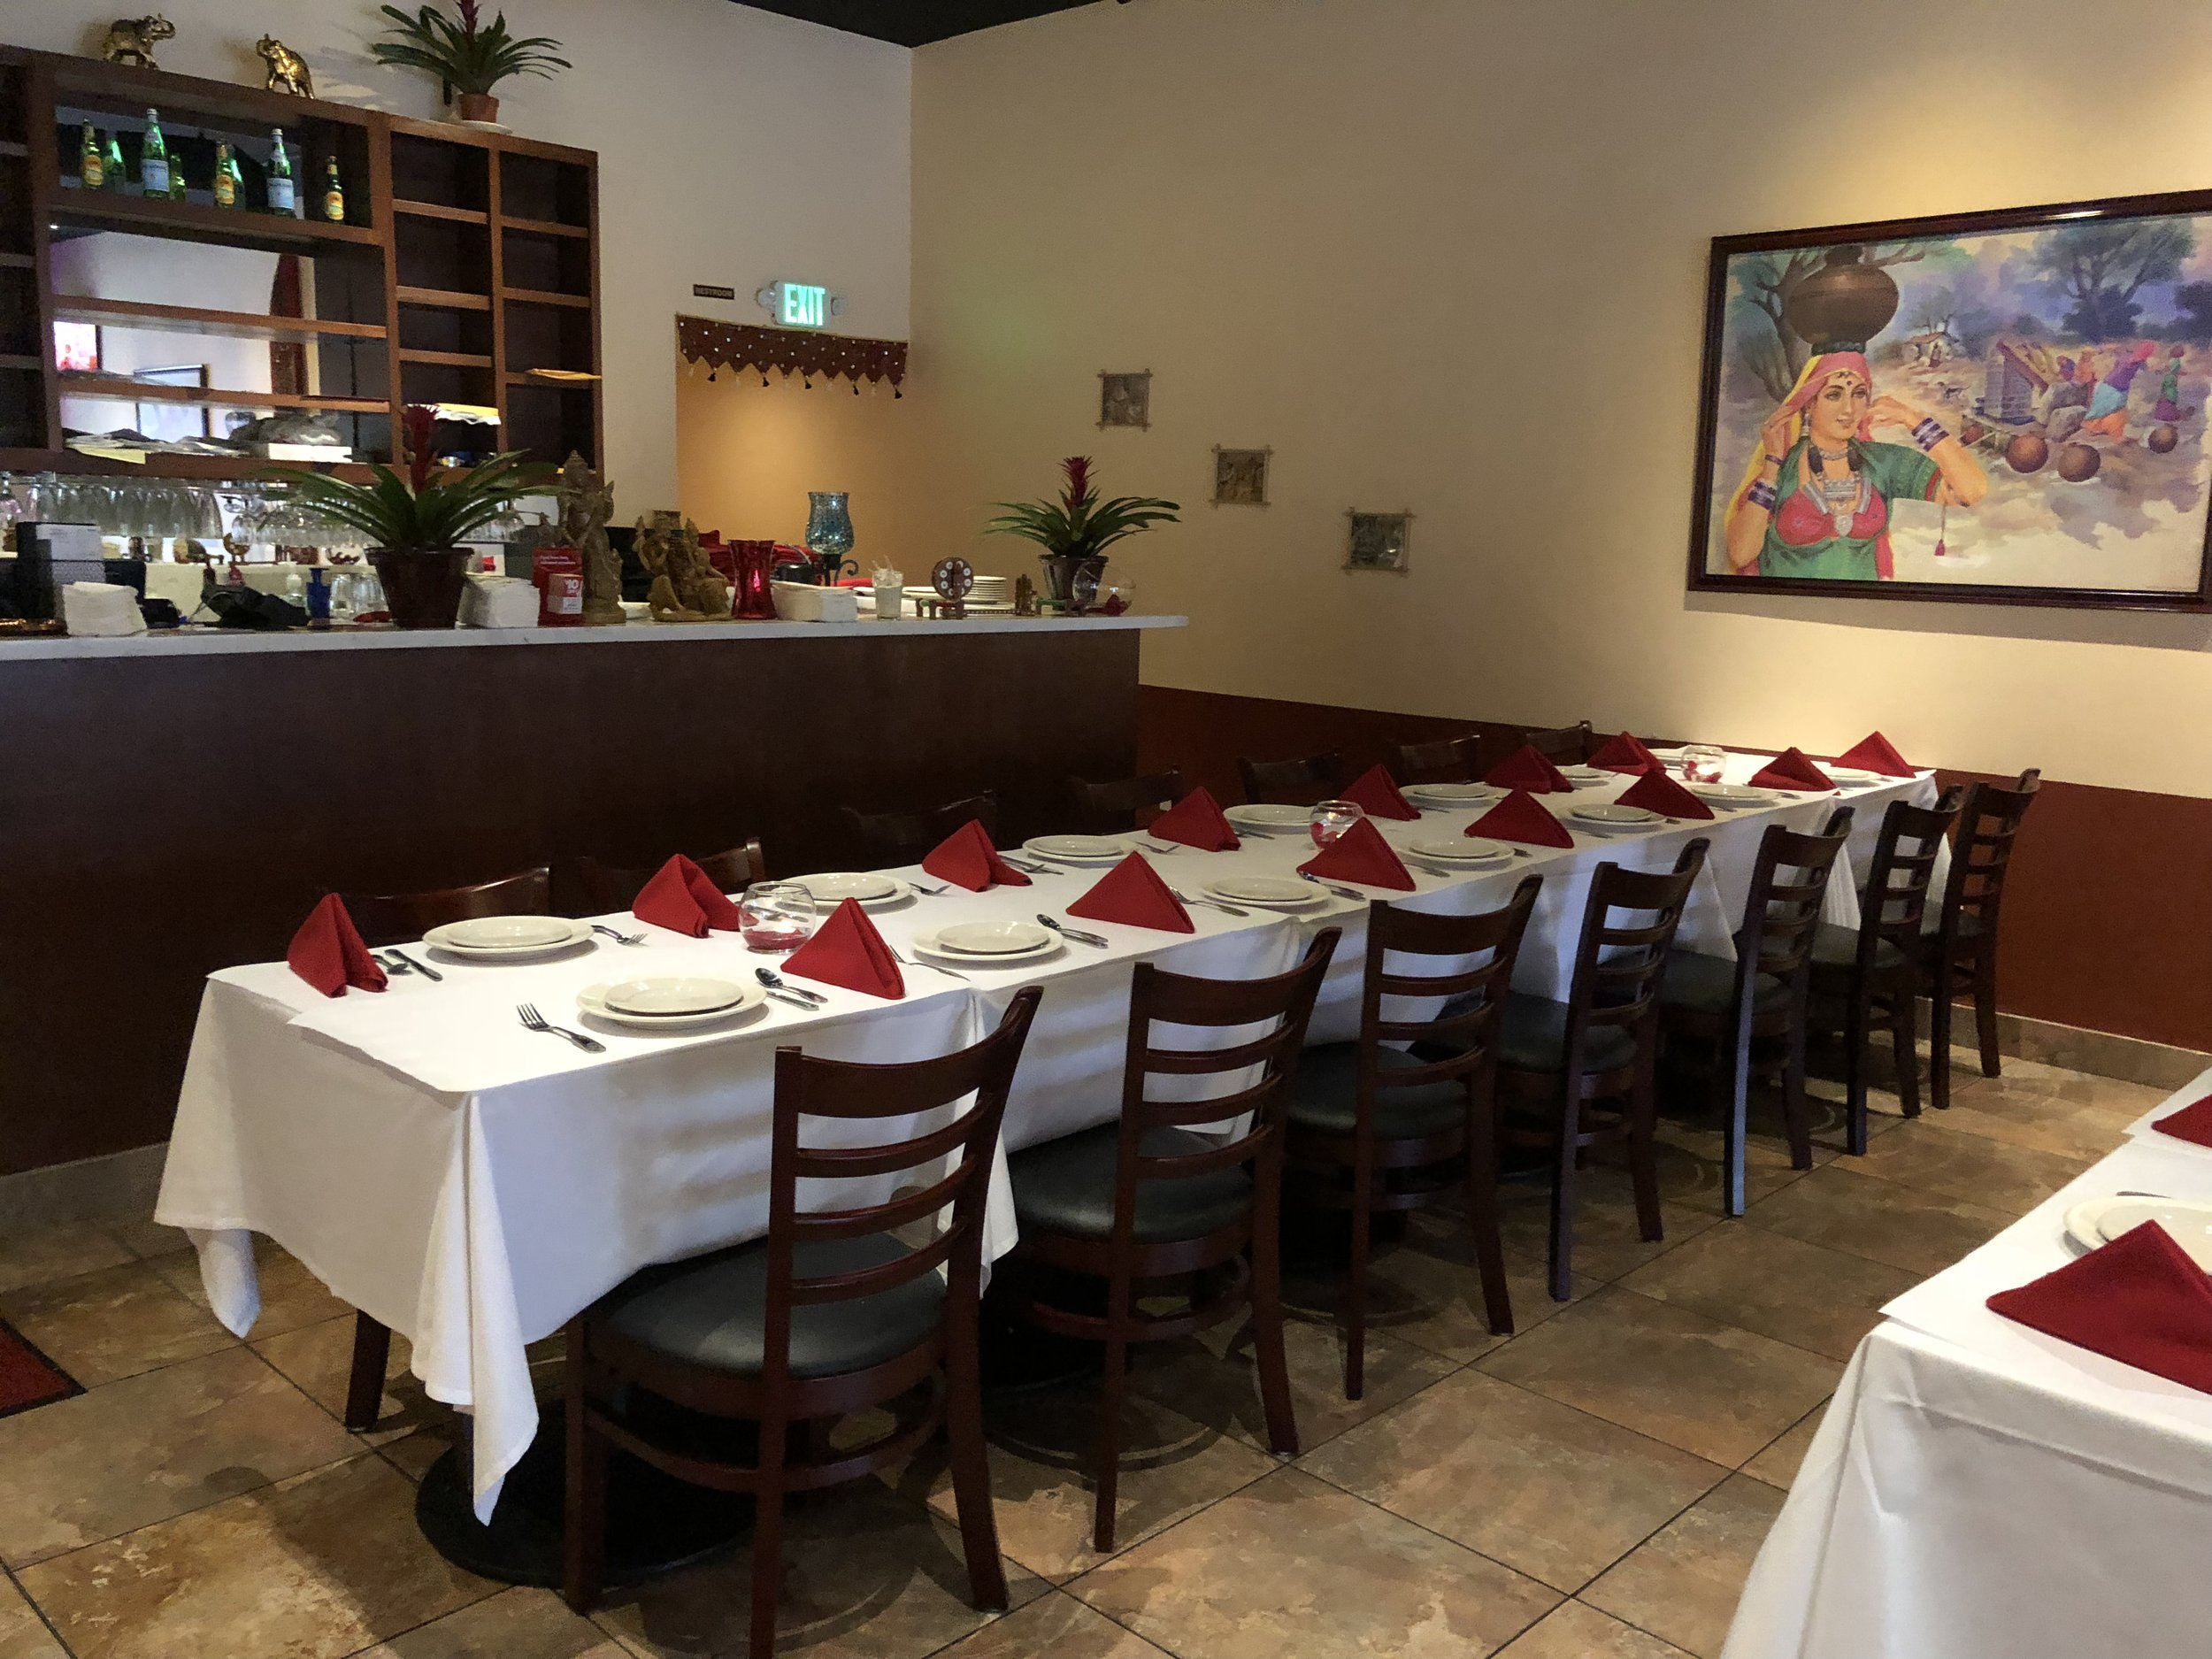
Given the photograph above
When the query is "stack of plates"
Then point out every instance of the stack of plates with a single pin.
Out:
(874, 891)
(1725, 795)
(2099, 1221)
(992, 595)
(507, 938)
(669, 1003)
(1464, 850)
(1270, 820)
(1454, 797)
(1272, 893)
(1587, 777)
(989, 944)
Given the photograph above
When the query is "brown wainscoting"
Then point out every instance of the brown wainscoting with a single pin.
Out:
(2106, 927)
(162, 818)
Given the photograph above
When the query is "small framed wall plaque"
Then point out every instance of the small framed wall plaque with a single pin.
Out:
(1240, 477)
(1126, 400)
(1378, 540)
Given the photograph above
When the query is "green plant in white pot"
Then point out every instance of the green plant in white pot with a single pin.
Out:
(1076, 530)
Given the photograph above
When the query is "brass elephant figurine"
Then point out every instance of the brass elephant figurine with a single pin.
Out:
(288, 70)
(133, 40)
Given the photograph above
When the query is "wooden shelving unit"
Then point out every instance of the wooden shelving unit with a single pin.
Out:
(465, 260)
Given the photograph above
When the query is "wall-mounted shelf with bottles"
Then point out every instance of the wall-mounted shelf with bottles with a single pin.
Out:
(413, 261)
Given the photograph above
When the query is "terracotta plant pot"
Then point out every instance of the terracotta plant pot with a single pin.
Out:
(422, 587)
(475, 106)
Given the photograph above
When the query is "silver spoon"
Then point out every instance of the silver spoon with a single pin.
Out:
(1342, 893)
(775, 981)
(412, 966)
(1074, 933)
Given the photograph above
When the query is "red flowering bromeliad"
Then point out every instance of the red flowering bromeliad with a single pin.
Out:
(469, 57)
(434, 507)
(1079, 525)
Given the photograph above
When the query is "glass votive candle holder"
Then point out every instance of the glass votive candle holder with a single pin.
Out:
(775, 917)
(1330, 820)
(1702, 762)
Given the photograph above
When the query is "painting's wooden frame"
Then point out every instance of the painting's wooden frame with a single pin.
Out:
(2190, 203)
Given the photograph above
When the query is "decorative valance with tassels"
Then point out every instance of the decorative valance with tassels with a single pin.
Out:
(748, 346)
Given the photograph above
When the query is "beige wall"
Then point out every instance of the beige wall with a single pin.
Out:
(735, 146)
(1449, 255)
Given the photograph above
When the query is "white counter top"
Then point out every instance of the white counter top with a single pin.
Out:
(233, 641)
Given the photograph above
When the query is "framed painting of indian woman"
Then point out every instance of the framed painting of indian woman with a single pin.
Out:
(2002, 408)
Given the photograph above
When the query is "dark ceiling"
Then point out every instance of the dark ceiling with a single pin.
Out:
(914, 22)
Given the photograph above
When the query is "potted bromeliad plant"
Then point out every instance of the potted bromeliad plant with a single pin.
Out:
(469, 55)
(1076, 530)
(417, 524)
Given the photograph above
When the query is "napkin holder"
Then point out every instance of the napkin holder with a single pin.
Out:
(797, 602)
(499, 602)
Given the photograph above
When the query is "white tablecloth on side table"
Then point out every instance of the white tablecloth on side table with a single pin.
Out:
(1978, 1490)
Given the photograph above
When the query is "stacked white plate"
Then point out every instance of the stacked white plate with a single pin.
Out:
(1270, 820)
(670, 1004)
(507, 938)
(1469, 850)
(2098, 1221)
(1454, 797)
(1272, 892)
(874, 891)
(1725, 795)
(1614, 818)
(1853, 778)
(1082, 849)
(1587, 777)
(989, 944)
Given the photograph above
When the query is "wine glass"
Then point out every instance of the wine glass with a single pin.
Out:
(1330, 820)
(1702, 762)
(776, 916)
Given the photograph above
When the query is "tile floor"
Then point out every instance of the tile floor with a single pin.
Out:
(1593, 1488)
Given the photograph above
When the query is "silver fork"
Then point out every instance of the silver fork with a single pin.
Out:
(1342, 893)
(924, 887)
(1227, 910)
(1074, 933)
(619, 939)
(907, 962)
(535, 1021)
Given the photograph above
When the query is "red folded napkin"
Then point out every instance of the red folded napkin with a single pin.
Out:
(1791, 770)
(682, 898)
(1655, 792)
(1376, 793)
(328, 954)
(846, 950)
(1528, 770)
(2191, 1123)
(1520, 817)
(2139, 1300)
(1133, 893)
(1361, 855)
(1876, 753)
(1625, 754)
(1196, 820)
(967, 859)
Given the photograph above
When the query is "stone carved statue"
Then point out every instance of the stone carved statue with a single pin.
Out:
(587, 504)
(687, 587)
(133, 40)
(288, 70)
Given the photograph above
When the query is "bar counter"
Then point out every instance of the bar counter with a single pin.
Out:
(170, 805)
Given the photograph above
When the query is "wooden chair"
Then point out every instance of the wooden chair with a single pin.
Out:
(1110, 808)
(905, 838)
(1878, 965)
(835, 1312)
(1147, 1199)
(1407, 1114)
(395, 918)
(1759, 997)
(1562, 745)
(1447, 760)
(1961, 955)
(1292, 782)
(1555, 1059)
(607, 889)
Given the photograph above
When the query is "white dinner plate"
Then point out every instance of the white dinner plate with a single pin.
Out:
(507, 938)
(1459, 850)
(592, 1001)
(1080, 850)
(929, 944)
(1453, 795)
(1614, 817)
(1728, 795)
(1586, 777)
(1855, 775)
(2101, 1220)
(992, 939)
(673, 996)
(874, 892)
(1274, 893)
(1268, 820)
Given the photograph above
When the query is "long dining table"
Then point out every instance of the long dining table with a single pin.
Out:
(474, 1185)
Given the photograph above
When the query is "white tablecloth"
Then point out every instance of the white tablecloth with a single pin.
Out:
(473, 1186)
(1978, 1490)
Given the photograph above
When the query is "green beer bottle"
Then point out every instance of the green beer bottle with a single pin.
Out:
(118, 173)
(155, 176)
(230, 183)
(283, 196)
(92, 168)
(334, 192)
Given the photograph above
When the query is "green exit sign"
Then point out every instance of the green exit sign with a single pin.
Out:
(800, 305)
